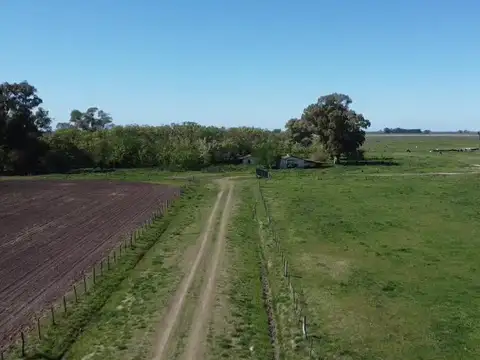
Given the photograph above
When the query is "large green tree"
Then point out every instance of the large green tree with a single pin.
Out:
(339, 129)
(93, 119)
(22, 124)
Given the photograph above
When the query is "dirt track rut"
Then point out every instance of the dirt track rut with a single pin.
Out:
(167, 344)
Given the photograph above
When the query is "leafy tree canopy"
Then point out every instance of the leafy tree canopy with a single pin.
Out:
(93, 119)
(27, 144)
(339, 129)
(22, 123)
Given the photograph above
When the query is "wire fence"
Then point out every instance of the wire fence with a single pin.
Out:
(51, 315)
(297, 294)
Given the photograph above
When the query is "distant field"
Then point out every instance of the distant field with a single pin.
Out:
(420, 159)
(388, 265)
(382, 142)
(424, 135)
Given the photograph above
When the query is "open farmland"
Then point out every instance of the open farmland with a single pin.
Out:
(53, 231)
(418, 158)
(387, 266)
(381, 263)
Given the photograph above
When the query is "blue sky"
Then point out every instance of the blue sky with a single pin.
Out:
(411, 63)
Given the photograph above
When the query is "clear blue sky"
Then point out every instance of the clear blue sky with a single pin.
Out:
(411, 63)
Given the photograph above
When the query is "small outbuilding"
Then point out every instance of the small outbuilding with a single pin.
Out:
(288, 161)
(249, 160)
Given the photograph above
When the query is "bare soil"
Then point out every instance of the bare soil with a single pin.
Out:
(52, 231)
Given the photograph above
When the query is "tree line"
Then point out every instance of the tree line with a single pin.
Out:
(405, 131)
(327, 129)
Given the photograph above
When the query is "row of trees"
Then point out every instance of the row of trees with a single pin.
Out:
(176, 146)
(326, 129)
(404, 131)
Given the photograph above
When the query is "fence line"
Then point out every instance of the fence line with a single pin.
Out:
(75, 297)
(299, 302)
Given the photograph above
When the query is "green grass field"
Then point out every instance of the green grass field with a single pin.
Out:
(388, 265)
(419, 159)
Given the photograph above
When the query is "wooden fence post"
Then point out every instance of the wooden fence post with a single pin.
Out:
(84, 283)
(53, 315)
(64, 304)
(38, 329)
(94, 275)
(285, 267)
(304, 326)
(114, 256)
(294, 299)
(23, 343)
(101, 267)
(108, 262)
(75, 293)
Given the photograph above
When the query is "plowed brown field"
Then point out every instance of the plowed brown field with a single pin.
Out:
(53, 231)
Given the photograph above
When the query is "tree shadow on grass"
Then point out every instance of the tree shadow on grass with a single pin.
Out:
(370, 162)
(90, 171)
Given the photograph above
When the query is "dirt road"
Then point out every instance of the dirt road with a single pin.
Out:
(183, 334)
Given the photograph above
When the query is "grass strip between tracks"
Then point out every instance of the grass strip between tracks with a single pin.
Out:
(57, 339)
(248, 337)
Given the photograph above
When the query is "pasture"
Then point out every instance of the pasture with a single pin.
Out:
(420, 159)
(374, 261)
(386, 260)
